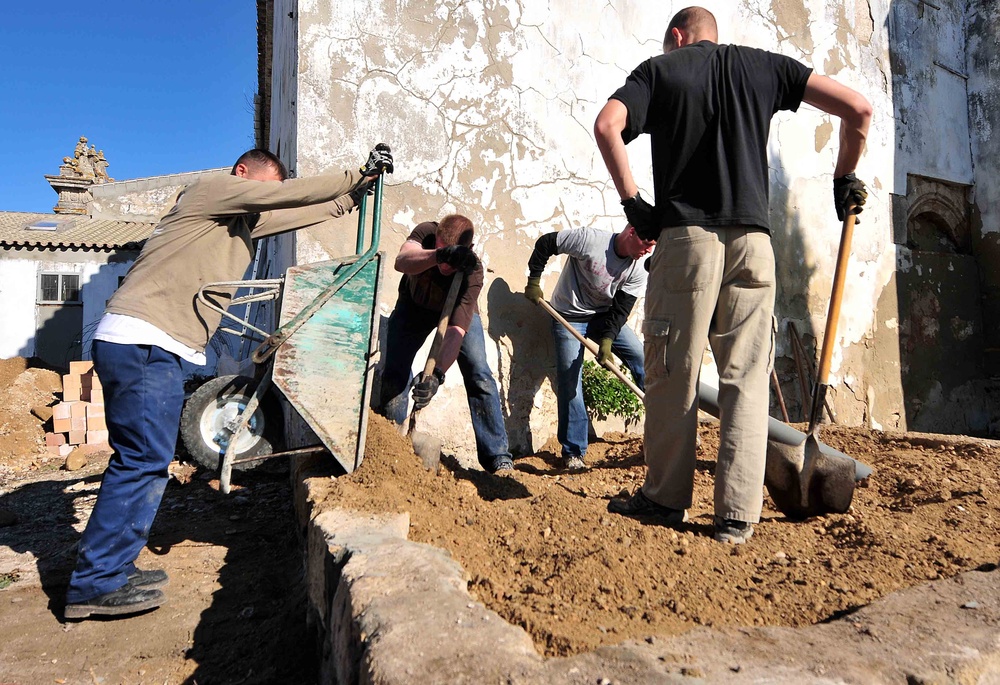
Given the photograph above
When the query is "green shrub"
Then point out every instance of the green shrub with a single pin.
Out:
(605, 395)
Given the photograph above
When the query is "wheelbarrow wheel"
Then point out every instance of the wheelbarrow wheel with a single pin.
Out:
(215, 403)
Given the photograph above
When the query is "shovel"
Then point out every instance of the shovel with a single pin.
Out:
(594, 349)
(426, 446)
(802, 479)
(824, 484)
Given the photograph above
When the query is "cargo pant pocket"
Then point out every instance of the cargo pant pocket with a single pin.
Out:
(656, 334)
(774, 338)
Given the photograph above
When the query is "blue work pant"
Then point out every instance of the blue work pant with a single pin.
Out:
(144, 395)
(408, 328)
(573, 424)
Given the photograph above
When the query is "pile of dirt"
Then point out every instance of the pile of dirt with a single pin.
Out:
(541, 549)
(24, 387)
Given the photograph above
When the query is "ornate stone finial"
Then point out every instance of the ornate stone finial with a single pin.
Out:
(86, 163)
(85, 168)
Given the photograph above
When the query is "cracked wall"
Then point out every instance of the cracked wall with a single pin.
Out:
(489, 108)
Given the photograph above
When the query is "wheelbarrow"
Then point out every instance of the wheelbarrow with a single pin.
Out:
(320, 359)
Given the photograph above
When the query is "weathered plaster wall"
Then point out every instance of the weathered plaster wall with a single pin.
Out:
(98, 273)
(142, 199)
(984, 114)
(489, 108)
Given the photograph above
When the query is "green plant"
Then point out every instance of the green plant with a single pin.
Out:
(605, 395)
(8, 579)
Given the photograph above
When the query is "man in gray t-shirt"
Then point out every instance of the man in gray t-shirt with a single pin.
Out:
(596, 291)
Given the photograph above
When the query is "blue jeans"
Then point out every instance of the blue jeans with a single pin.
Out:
(573, 423)
(408, 328)
(144, 395)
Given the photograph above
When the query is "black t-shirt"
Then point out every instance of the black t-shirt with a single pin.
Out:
(708, 111)
(429, 289)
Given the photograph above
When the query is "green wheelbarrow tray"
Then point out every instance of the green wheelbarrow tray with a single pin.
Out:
(325, 369)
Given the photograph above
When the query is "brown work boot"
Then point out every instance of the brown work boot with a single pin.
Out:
(640, 505)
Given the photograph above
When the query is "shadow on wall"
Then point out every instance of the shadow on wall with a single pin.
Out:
(943, 271)
(793, 275)
(523, 330)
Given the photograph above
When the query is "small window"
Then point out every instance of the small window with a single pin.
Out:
(43, 226)
(58, 287)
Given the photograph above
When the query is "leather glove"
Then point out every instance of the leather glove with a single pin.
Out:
(533, 290)
(640, 215)
(459, 257)
(424, 388)
(849, 195)
(361, 191)
(379, 160)
(604, 353)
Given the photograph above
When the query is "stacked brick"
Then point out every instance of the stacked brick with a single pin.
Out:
(79, 418)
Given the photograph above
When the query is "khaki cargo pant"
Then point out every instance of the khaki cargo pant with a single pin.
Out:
(709, 285)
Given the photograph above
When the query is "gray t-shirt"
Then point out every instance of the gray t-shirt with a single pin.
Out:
(593, 274)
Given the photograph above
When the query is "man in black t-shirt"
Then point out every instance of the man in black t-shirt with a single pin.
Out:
(431, 255)
(707, 109)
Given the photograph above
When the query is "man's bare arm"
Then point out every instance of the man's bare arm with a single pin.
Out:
(608, 130)
(854, 111)
(414, 259)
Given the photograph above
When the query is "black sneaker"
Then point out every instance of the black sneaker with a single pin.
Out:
(732, 531)
(152, 579)
(127, 599)
(640, 505)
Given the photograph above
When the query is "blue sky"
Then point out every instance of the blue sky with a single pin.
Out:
(160, 87)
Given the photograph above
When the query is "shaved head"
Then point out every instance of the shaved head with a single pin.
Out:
(692, 24)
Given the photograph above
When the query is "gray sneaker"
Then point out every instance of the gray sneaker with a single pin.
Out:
(575, 464)
(732, 531)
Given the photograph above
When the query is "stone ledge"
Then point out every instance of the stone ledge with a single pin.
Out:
(391, 611)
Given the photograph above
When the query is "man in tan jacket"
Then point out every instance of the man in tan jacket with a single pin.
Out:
(153, 322)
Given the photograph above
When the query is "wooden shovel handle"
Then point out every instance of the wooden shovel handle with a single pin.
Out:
(836, 297)
(449, 304)
(594, 349)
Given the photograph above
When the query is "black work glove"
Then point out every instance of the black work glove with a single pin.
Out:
(459, 257)
(424, 388)
(361, 191)
(379, 160)
(849, 195)
(533, 290)
(640, 214)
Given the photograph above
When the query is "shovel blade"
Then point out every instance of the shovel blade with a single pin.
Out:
(428, 448)
(803, 481)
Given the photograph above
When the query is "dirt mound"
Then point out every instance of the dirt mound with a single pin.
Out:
(541, 549)
(22, 434)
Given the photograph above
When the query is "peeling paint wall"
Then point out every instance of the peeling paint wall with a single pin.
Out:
(984, 114)
(489, 108)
